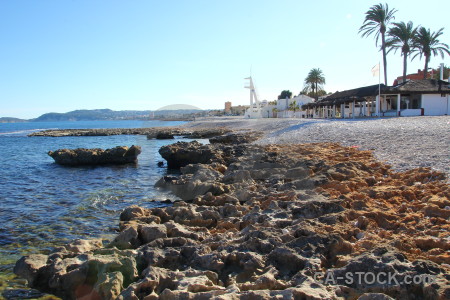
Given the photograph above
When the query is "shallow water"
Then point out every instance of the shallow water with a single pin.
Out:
(43, 205)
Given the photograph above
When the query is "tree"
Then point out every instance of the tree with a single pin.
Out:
(376, 22)
(308, 90)
(314, 82)
(402, 36)
(274, 112)
(285, 94)
(426, 44)
(293, 106)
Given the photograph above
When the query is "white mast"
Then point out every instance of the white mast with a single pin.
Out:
(252, 92)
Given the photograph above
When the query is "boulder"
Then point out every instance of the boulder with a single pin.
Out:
(182, 154)
(29, 267)
(164, 136)
(78, 157)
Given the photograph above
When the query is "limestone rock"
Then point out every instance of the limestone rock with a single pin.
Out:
(152, 232)
(29, 267)
(164, 136)
(181, 154)
(236, 138)
(267, 222)
(81, 156)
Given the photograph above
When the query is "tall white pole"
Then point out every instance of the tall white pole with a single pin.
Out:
(379, 91)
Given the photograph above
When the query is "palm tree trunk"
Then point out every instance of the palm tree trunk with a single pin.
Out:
(383, 46)
(405, 57)
(425, 70)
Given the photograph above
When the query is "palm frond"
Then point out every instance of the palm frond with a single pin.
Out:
(376, 21)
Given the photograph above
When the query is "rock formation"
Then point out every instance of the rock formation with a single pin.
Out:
(151, 133)
(77, 157)
(181, 154)
(268, 222)
(236, 138)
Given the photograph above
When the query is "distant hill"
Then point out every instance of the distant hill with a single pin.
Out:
(108, 114)
(94, 115)
(11, 120)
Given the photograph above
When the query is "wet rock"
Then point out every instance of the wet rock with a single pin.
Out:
(181, 154)
(30, 267)
(78, 157)
(17, 294)
(164, 136)
(83, 246)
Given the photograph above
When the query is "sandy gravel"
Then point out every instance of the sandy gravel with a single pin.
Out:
(405, 143)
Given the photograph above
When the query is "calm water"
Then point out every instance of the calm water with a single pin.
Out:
(43, 204)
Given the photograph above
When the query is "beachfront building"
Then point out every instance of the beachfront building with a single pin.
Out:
(228, 107)
(282, 108)
(239, 110)
(292, 107)
(427, 97)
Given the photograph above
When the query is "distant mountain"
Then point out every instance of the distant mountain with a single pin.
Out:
(108, 114)
(12, 120)
(94, 114)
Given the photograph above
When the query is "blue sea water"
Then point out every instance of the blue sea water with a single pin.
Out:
(43, 205)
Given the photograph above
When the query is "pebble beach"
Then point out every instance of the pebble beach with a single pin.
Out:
(405, 143)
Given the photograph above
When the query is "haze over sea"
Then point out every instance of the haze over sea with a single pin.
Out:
(45, 205)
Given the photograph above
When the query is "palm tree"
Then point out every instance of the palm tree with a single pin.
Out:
(315, 79)
(274, 111)
(376, 22)
(402, 36)
(293, 106)
(308, 90)
(427, 43)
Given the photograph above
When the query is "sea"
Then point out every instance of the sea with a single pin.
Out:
(44, 205)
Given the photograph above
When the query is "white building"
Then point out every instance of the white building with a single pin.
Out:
(284, 106)
(428, 97)
(282, 109)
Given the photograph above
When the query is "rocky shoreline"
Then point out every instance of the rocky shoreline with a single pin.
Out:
(268, 222)
(151, 132)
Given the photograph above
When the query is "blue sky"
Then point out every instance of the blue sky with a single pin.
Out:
(59, 55)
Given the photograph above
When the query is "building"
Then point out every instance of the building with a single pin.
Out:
(228, 107)
(427, 97)
(433, 74)
(239, 110)
(285, 107)
(415, 76)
